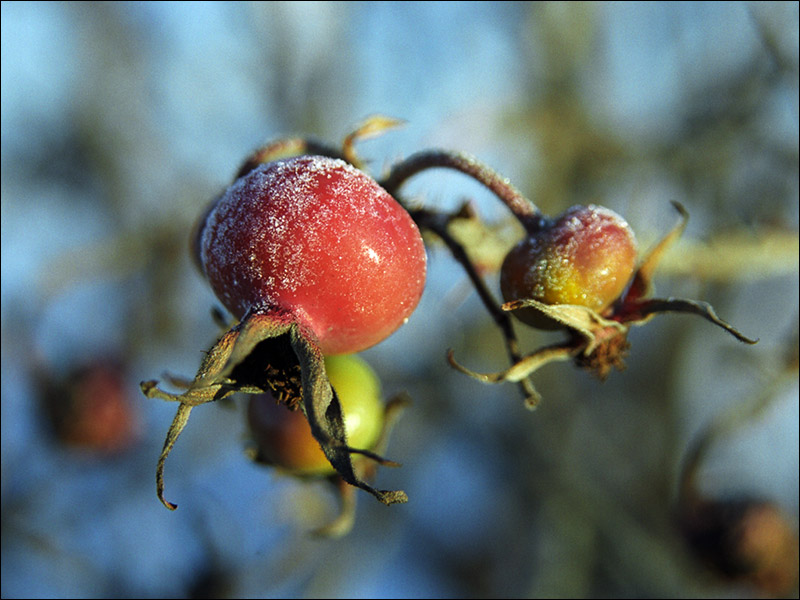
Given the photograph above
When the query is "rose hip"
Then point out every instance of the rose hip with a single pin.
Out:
(585, 257)
(315, 237)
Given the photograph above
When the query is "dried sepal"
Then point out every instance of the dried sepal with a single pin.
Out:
(595, 343)
(211, 367)
(324, 413)
(370, 127)
(211, 383)
(297, 146)
(521, 370)
(580, 319)
(265, 352)
(365, 469)
(642, 283)
(638, 313)
(175, 429)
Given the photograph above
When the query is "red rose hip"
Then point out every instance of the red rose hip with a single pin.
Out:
(317, 238)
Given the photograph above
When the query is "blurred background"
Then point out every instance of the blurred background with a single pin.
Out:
(121, 120)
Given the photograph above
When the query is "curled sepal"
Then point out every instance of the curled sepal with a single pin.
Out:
(324, 413)
(372, 126)
(365, 469)
(522, 369)
(212, 365)
(210, 370)
(270, 351)
(212, 382)
(580, 319)
(642, 283)
(178, 423)
(643, 310)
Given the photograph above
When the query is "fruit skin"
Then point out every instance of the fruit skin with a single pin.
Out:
(585, 257)
(283, 437)
(318, 238)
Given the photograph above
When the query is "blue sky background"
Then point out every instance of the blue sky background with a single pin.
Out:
(119, 122)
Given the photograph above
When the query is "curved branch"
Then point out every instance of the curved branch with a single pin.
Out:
(522, 208)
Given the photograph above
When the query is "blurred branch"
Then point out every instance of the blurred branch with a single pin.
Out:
(735, 257)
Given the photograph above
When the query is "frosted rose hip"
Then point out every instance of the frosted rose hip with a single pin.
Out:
(586, 257)
(322, 240)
